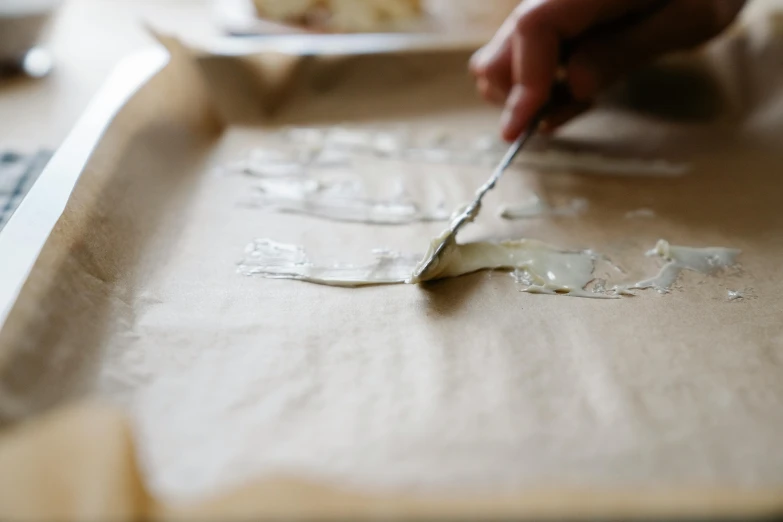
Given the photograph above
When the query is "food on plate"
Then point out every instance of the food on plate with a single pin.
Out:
(341, 15)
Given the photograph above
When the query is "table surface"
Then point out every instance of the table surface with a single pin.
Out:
(88, 39)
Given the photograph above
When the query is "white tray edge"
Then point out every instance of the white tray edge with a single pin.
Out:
(25, 235)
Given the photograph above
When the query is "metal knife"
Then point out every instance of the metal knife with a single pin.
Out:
(469, 213)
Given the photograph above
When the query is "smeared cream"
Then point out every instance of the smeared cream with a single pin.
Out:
(536, 207)
(492, 148)
(443, 147)
(707, 261)
(547, 270)
(271, 163)
(735, 295)
(274, 260)
(443, 246)
(355, 141)
(287, 184)
(745, 294)
(597, 164)
(343, 202)
(641, 213)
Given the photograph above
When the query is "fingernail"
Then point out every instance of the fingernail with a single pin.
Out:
(479, 59)
(486, 90)
(483, 86)
(508, 119)
(498, 95)
(490, 92)
(484, 57)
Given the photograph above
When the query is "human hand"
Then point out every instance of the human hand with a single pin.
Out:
(592, 43)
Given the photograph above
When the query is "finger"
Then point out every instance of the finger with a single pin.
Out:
(534, 65)
(569, 17)
(496, 48)
(499, 77)
(493, 60)
(540, 28)
(492, 63)
(490, 93)
(680, 24)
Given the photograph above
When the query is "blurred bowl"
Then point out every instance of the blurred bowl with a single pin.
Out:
(22, 23)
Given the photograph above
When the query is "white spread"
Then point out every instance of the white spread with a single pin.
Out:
(536, 207)
(745, 294)
(443, 147)
(546, 269)
(538, 267)
(598, 164)
(641, 213)
(735, 295)
(342, 201)
(286, 185)
(275, 260)
(706, 261)
(442, 247)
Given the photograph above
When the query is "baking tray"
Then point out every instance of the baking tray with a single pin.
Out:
(118, 284)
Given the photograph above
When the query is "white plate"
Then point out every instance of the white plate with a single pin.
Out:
(467, 21)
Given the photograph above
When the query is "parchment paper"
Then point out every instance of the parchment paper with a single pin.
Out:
(447, 399)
